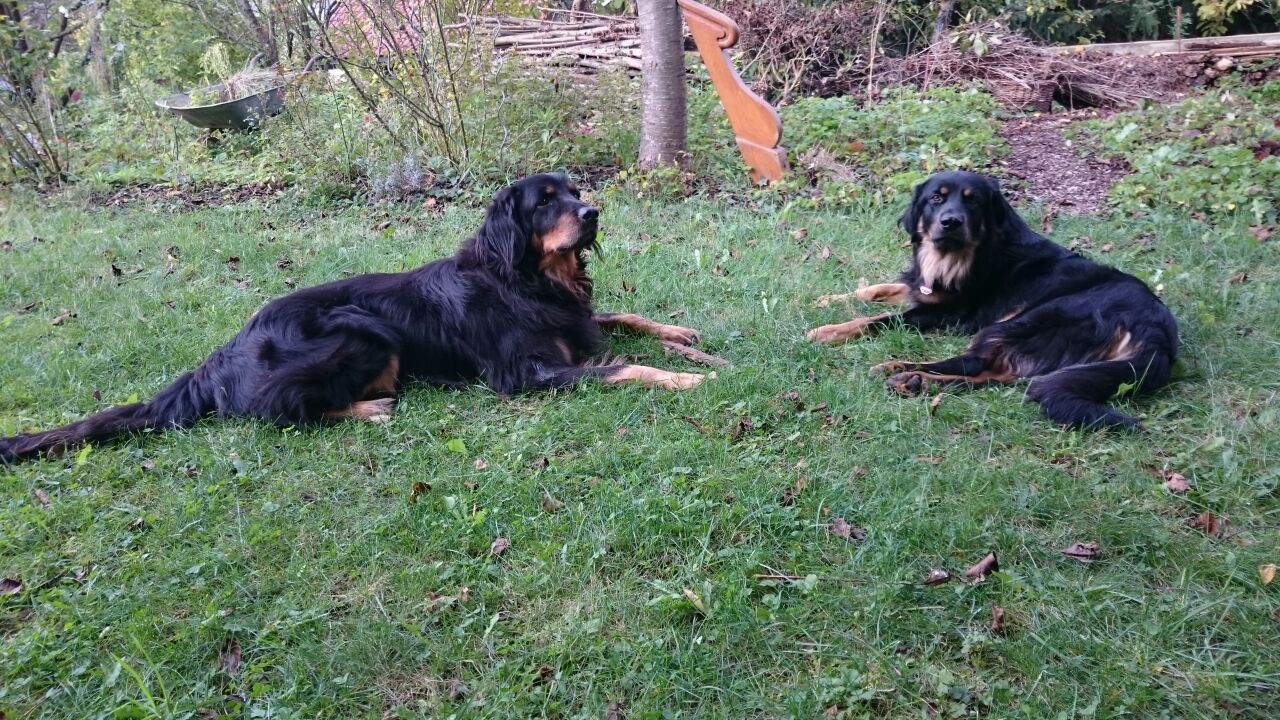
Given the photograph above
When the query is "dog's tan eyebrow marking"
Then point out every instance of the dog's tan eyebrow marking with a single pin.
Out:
(967, 192)
(548, 189)
(944, 189)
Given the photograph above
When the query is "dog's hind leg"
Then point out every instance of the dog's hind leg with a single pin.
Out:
(908, 378)
(1077, 395)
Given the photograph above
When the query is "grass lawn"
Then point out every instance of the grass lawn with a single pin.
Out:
(670, 554)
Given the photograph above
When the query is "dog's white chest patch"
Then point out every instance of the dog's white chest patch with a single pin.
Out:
(942, 270)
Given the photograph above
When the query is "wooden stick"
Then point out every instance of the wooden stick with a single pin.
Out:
(694, 354)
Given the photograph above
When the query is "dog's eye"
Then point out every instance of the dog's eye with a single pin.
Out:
(543, 200)
(936, 199)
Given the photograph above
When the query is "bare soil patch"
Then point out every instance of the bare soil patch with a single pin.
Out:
(1042, 167)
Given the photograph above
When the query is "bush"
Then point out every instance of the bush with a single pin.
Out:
(897, 142)
(1215, 154)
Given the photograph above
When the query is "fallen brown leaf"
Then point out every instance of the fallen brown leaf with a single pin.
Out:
(457, 689)
(138, 523)
(799, 234)
(1108, 247)
(418, 489)
(1239, 278)
(859, 471)
(1208, 523)
(937, 577)
(29, 307)
(500, 544)
(1046, 221)
(229, 657)
(931, 459)
(6, 245)
(984, 567)
(842, 529)
(10, 586)
(696, 601)
(233, 263)
(550, 504)
(62, 317)
(613, 712)
(934, 403)
(997, 619)
(148, 465)
(1176, 483)
(43, 497)
(83, 572)
(1085, 552)
(826, 252)
(480, 464)
(1261, 232)
(1267, 573)
(743, 425)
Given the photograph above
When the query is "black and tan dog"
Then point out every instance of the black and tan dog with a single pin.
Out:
(1080, 330)
(511, 309)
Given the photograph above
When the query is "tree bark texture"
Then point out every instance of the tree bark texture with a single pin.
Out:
(663, 121)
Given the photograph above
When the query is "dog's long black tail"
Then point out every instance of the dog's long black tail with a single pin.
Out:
(180, 404)
(1077, 395)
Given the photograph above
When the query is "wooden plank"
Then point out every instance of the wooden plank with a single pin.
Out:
(756, 125)
(1217, 45)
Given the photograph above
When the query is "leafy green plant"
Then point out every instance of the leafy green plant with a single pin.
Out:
(891, 145)
(1213, 154)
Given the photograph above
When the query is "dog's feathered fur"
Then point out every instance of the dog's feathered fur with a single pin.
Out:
(511, 309)
(1078, 329)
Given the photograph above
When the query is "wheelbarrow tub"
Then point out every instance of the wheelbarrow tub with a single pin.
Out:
(240, 114)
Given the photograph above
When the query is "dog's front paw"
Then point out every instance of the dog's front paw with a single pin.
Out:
(828, 334)
(888, 368)
(907, 384)
(680, 381)
(826, 300)
(679, 335)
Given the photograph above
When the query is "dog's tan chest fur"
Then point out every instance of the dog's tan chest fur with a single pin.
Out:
(943, 270)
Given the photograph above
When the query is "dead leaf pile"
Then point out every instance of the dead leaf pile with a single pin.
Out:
(997, 619)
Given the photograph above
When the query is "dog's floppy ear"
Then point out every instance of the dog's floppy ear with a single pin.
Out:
(501, 240)
(1001, 217)
(911, 217)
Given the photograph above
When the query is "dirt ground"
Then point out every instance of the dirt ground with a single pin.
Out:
(1041, 166)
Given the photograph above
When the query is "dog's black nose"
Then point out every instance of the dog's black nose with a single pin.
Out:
(951, 221)
(586, 212)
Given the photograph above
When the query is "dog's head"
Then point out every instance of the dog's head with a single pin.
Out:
(956, 211)
(534, 221)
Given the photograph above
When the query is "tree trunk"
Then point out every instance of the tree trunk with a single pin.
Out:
(662, 92)
(99, 64)
(944, 20)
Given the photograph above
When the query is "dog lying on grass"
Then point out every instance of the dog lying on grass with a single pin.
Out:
(1081, 331)
(511, 309)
